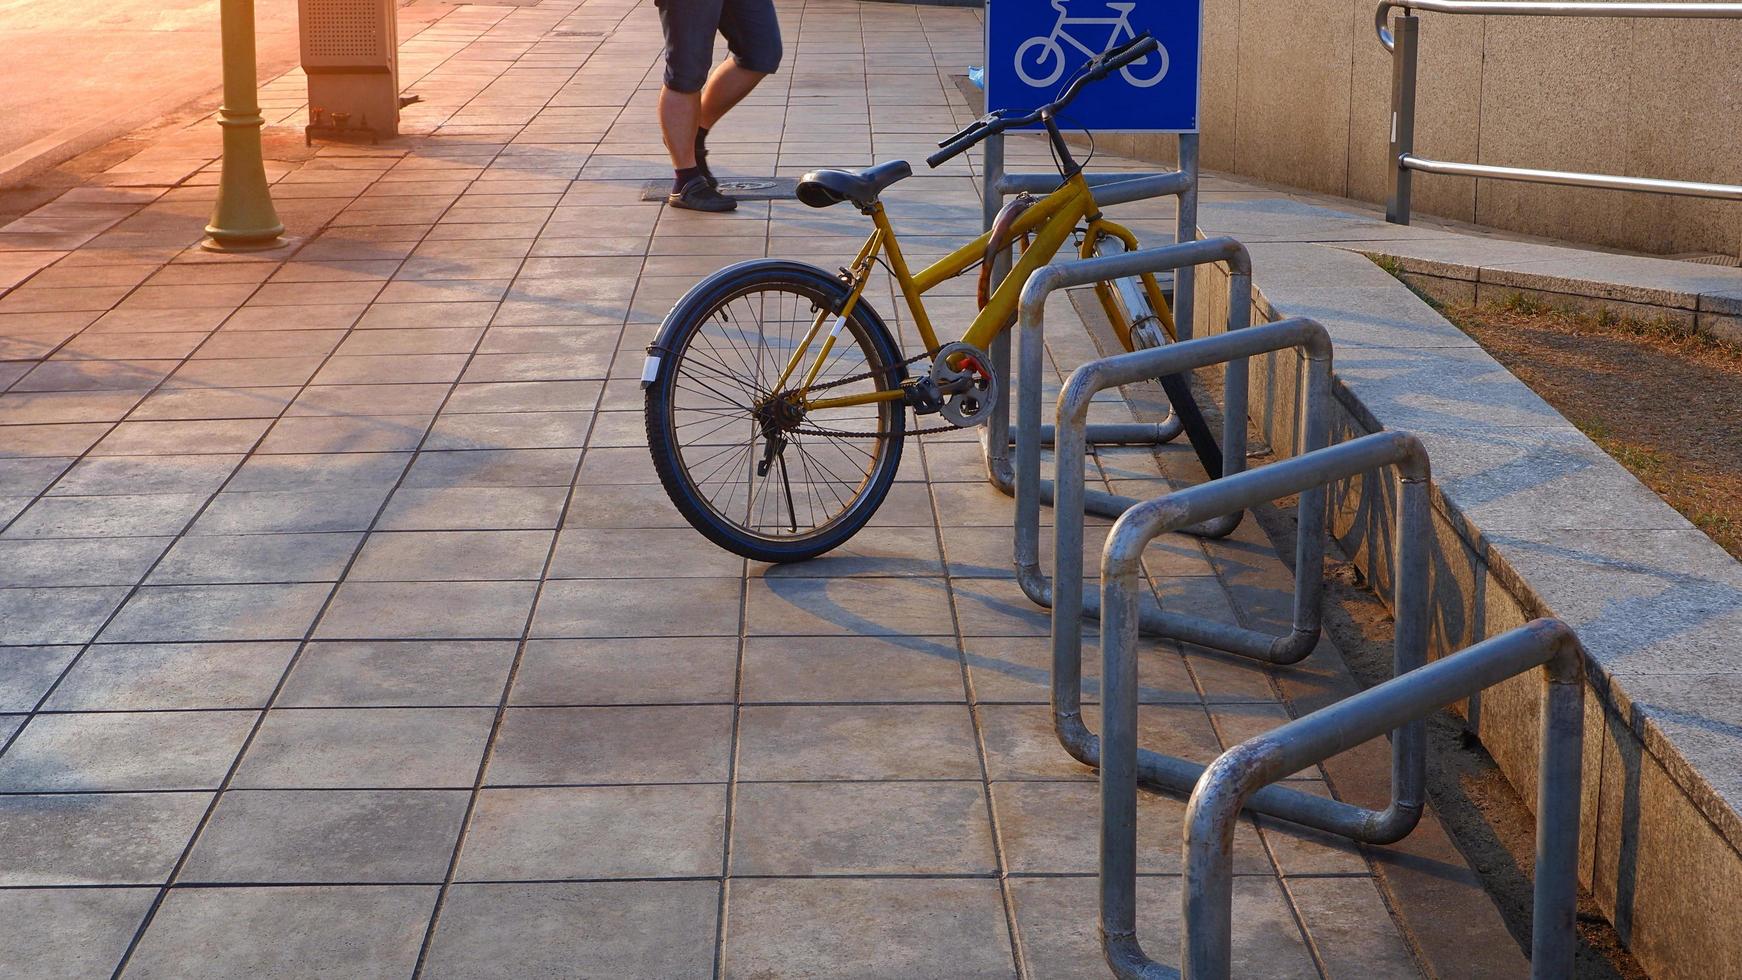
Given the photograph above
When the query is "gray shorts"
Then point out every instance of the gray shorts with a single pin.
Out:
(750, 27)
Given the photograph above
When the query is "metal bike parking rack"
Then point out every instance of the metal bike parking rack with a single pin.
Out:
(1122, 616)
(1248, 770)
(1070, 497)
(1030, 490)
(1111, 189)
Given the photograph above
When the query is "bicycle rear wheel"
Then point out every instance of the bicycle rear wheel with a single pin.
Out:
(752, 474)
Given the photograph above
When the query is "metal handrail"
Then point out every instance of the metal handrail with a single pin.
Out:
(1686, 11)
(1403, 43)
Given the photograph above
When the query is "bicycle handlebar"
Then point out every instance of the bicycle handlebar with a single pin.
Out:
(1095, 69)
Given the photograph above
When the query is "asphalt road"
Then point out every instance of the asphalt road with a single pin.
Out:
(77, 73)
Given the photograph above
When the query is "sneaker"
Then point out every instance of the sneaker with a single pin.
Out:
(699, 195)
(707, 173)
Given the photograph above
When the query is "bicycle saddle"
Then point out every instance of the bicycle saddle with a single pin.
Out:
(826, 188)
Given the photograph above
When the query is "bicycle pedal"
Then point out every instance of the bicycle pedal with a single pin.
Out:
(922, 396)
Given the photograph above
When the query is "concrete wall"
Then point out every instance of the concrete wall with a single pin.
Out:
(1298, 92)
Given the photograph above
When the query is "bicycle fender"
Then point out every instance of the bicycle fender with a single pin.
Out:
(653, 368)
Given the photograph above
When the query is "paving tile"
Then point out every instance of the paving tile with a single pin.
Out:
(374, 748)
(336, 316)
(178, 613)
(1019, 669)
(667, 670)
(167, 676)
(30, 617)
(27, 476)
(206, 403)
(608, 466)
(517, 430)
(297, 931)
(270, 343)
(320, 471)
(929, 828)
(576, 929)
(849, 668)
(1048, 827)
(659, 553)
(99, 475)
(328, 837)
(632, 832)
(436, 556)
(863, 607)
(70, 932)
(625, 506)
(383, 399)
(1350, 927)
(68, 439)
(903, 928)
(26, 673)
(115, 515)
(494, 467)
(1056, 919)
(215, 558)
(611, 745)
(602, 607)
(115, 751)
(406, 673)
(95, 838)
(432, 610)
(790, 742)
(391, 369)
(1021, 744)
(23, 407)
(391, 316)
(181, 437)
(890, 551)
(525, 396)
(346, 434)
(474, 507)
(78, 561)
(289, 511)
(998, 607)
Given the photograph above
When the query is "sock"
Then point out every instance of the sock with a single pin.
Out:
(701, 152)
(683, 176)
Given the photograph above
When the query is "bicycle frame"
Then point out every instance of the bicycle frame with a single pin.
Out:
(1051, 221)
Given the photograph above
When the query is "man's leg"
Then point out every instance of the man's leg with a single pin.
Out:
(752, 33)
(727, 86)
(689, 27)
(678, 115)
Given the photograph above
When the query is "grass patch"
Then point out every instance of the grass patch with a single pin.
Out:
(1663, 401)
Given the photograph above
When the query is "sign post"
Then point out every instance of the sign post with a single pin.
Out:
(1033, 49)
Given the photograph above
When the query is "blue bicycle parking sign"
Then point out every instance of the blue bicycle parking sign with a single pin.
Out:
(1033, 47)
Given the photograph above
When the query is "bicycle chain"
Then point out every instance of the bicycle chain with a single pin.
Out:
(843, 434)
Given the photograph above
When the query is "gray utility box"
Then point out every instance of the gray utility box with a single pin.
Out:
(350, 51)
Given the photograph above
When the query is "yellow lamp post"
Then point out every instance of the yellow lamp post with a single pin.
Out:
(243, 220)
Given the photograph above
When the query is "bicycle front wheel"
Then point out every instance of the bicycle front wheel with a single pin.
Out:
(741, 466)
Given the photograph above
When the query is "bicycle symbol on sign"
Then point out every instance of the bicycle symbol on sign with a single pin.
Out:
(1042, 52)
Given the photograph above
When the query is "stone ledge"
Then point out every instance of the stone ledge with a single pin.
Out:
(1532, 518)
(1460, 268)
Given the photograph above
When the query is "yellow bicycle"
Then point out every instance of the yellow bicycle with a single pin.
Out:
(777, 398)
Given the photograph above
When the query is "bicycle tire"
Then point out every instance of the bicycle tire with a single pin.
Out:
(680, 348)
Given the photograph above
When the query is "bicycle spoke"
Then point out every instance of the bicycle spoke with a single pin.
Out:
(724, 375)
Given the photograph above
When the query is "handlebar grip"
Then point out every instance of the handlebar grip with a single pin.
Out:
(953, 147)
(1117, 58)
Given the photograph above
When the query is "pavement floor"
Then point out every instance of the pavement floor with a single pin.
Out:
(347, 632)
